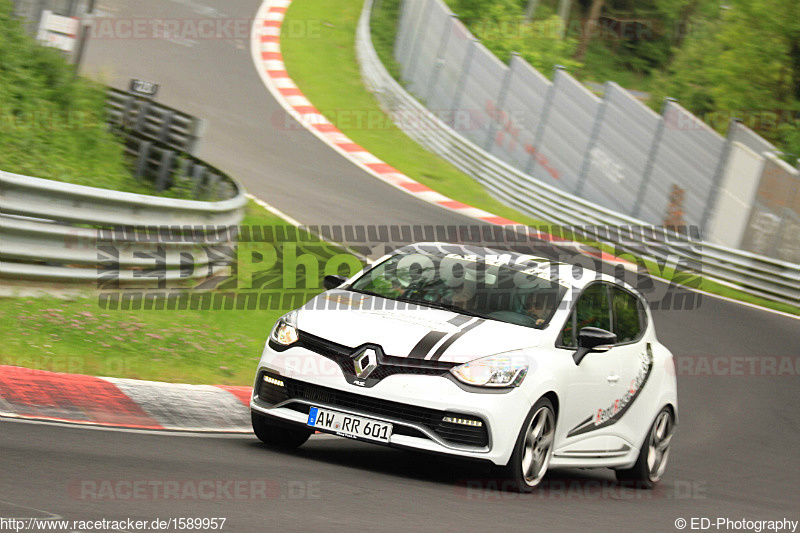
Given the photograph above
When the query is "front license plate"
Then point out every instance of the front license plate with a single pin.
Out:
(349, 425)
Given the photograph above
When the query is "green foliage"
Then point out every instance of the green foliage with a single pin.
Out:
(646, 31)
(52, 124)
(501, 27)
(745, 65)
(720, 61)
(385, 17)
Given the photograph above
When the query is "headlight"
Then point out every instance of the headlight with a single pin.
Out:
(285, 330)
(492, 371)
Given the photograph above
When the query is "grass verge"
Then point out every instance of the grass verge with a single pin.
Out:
(326, 70)
(75, 334)
(52, 123)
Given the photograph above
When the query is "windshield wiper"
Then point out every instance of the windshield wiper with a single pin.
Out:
(370, 293)
(446, 307)
(435, 305)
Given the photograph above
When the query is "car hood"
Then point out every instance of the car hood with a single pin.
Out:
(353, 319)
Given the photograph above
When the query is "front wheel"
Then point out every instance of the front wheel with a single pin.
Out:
(653, 457)
(277, 434)
(531, 457)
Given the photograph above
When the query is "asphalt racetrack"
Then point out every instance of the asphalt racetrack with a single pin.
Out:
(735, 454)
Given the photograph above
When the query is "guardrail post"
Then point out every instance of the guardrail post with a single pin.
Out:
(196, 133)
(418, 38)
(651, 159)
(183, 167)
(593, 138)
(719, 172)
(776, 241)
(85, 34)
(144, 110)
(126, 120)
(141, 161)
(165, 170)
(501, 101)
(462, 79)
(198, 176)
(437, 67)
(211, 186)
(548, 104)
(166, 124)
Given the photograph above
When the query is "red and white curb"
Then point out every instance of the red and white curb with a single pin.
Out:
(114, 402)
(268, 60)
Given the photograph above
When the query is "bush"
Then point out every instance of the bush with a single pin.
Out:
(52, 124)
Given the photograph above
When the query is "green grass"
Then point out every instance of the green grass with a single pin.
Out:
(52, 124)
(74, 334)
(714, 287)
(325, 68)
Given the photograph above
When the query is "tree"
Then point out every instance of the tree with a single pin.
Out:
(589, 28)
(747, 64)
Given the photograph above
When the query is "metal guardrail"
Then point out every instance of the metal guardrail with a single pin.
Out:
(757, 275)
(168, 168)
(57, 231)
(159, 123)
(160, 140)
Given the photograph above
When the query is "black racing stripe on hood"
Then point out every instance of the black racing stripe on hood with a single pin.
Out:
(449, 342)
(426, 343)
(459, 320)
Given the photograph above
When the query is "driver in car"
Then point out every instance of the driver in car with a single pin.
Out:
(536, 307)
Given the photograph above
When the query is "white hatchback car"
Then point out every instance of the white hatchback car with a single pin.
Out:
(478, 353)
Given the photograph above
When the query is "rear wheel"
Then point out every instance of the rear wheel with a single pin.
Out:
(275, 433)
(531, 457)
(653, 456)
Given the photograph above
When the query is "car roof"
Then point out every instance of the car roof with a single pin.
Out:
(570, 275)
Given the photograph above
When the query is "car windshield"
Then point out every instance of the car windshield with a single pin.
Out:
(524, 294)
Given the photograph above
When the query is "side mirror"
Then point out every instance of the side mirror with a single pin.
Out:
(331, 282)
(593, 340)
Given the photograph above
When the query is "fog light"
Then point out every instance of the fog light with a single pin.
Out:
(273, 381)
(463, 421)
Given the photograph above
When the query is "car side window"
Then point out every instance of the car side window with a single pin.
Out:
(592, 310)
(627, 316)
(568, 339)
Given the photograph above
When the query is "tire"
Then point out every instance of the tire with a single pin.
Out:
(534, 448)
(276, 434)
(653, 457)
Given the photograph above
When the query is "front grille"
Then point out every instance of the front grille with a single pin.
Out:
(388, 365)
(323, 346)
(430, 418)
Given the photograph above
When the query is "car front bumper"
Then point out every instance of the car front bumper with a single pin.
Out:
(413, 404)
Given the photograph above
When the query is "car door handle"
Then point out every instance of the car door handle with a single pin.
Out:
(613, 379)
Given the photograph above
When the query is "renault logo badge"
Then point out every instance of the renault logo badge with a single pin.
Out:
(366, 362)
